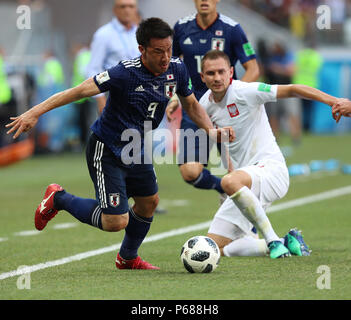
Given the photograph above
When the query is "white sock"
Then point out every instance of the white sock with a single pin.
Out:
(252, 209)
(246, 247)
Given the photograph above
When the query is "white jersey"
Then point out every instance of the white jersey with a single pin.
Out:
(243, 109)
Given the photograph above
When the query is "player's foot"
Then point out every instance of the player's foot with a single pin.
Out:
(295, 243)
(46, 211)
(277, 250)
(136, 263)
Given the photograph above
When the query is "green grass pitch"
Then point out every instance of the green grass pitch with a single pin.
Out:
(325, 224)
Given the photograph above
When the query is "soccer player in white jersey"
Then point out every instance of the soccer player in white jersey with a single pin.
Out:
(260, 175)
(194, 35)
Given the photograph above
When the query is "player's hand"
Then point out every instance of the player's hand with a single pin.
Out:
(22, 123)
(171, 108)
(225, 134)
(342, 107)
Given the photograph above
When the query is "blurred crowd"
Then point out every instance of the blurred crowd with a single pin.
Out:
(300, 16)
(277, 63)
(22, 88)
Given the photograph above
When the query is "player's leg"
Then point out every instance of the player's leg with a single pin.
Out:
(140, 219)
(198, 176)
(246, 246)
(193, 154)
(232, 232)
(142, 187)
(238, 185)
(56, 199)
(109, 211)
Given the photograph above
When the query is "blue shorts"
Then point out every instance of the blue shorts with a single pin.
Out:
(115, 184)
(194, 145)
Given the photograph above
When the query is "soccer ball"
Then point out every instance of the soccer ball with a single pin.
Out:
(200, 254)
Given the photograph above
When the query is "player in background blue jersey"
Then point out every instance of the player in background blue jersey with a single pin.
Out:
(193, 37)
(139, 91)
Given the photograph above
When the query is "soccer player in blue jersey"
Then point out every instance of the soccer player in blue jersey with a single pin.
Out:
(193, 37)
(139, 91)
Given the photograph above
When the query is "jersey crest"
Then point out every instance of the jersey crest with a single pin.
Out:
(218, 44)
(233, 110)
(170, 89)
(114, 199)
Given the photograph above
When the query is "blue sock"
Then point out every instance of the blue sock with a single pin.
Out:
(85, 210)
(135, 233)
(207, 181)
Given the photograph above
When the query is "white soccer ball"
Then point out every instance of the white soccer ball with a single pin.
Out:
(200, 254)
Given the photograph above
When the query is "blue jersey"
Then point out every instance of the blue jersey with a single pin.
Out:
(136, 96)
(191, 41)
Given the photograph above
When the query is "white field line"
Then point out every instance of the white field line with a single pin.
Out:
(68, 225)
(309, 199)
(26, 233)
(286, 205)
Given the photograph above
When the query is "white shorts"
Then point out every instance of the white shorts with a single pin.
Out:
(270, 182)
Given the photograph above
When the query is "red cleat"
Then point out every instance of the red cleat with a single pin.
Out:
(46, 211)
(136, 263)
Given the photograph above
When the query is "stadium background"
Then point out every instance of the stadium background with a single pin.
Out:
(59, 26)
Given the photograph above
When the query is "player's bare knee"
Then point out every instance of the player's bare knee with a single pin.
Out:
(154, 203)
(190, 171)
(232, 182)
(114, 223)
(147, 206)
(229, 184)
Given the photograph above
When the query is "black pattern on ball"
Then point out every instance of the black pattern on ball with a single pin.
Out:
(212, 244)
(200, 255)
(182, 251)
(188, 267)
(208, 269)
(192, 242)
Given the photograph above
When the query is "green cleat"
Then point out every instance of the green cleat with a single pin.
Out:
(278, 250)
(295, 243)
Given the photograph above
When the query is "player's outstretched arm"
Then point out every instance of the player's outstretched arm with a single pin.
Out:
(305, 92)
(28, 120)
(201, 119)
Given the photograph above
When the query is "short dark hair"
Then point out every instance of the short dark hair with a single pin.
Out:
(214, 55)
(152, 28)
